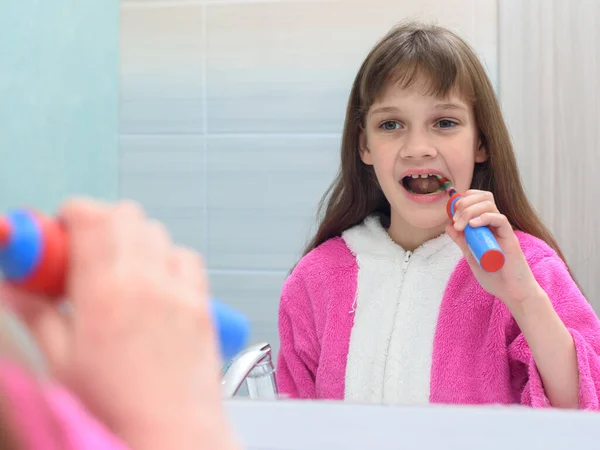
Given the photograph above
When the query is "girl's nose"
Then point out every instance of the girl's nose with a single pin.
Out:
(418, 146)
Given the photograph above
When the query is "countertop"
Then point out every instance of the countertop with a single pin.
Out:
(315, 425)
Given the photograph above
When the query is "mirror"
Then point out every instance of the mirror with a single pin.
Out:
(232, 117)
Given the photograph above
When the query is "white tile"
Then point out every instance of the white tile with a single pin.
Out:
(186, 227)
(256, 296)
(269, 68)
(262, 196)
(163, 171)
(288, 67)
(484, 36)
(166, 175)
(162, 56)
(162, 154)
(164, 190)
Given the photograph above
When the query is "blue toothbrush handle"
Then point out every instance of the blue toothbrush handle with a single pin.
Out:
(482, 243)
(232, 328)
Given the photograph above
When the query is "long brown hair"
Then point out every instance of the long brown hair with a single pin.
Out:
(447, 62)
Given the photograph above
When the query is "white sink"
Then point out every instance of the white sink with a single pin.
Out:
(311, 425)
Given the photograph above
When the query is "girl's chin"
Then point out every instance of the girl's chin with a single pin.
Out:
(432, 221)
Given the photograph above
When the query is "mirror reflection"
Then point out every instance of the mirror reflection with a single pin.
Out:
(389, 192)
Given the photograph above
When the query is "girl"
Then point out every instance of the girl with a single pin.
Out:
(113, 380)
(387, 304)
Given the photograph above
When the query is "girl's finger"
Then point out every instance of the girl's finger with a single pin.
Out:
(463, 203)
(83, 210)
(20, 302)
(499, 222)
(153, 242)
(187, 265)
(463, 218)
(45, 323)
(486, 194)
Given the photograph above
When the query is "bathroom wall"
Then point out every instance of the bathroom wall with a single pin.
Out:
(550, 91)
(231, 114)
(59, 90)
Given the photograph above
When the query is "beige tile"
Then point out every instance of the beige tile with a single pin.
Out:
(288, 66)
(162, 57)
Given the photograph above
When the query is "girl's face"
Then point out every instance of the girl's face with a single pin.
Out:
(410, 136)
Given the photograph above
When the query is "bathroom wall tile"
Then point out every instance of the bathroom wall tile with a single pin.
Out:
(257, 296)
(484, 36)
(166, 175)
(270, 69)
(262, 195)
(162, 57)
(186, 226)
(549, 91)
(288, 66)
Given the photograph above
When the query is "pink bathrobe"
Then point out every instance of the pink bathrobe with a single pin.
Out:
(474, 352)
(45, 416)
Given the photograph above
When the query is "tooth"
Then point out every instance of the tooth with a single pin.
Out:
(424, 175)
(414, 175)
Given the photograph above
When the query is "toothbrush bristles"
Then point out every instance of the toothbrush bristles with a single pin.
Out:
(445, 182)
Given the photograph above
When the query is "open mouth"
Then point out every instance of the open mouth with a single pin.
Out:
(423, 184)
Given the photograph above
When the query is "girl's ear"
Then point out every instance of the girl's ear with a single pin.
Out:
(481, 154)
(365, 154)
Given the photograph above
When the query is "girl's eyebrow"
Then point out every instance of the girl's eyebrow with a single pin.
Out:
(385, 109)
(441, 106)
(450, 106)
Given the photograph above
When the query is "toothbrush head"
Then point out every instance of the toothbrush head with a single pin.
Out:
(445, 182)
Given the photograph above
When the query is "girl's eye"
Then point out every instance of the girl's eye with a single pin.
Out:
(390, 125)
(445, 123)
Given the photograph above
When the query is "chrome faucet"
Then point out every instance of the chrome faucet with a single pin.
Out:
(253, 365)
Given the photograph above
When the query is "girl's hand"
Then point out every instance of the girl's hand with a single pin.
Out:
(137, 344)
(514, 283)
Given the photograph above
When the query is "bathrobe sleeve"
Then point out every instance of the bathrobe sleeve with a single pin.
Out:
(42, 414)
(299, 344)
(583, 324)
